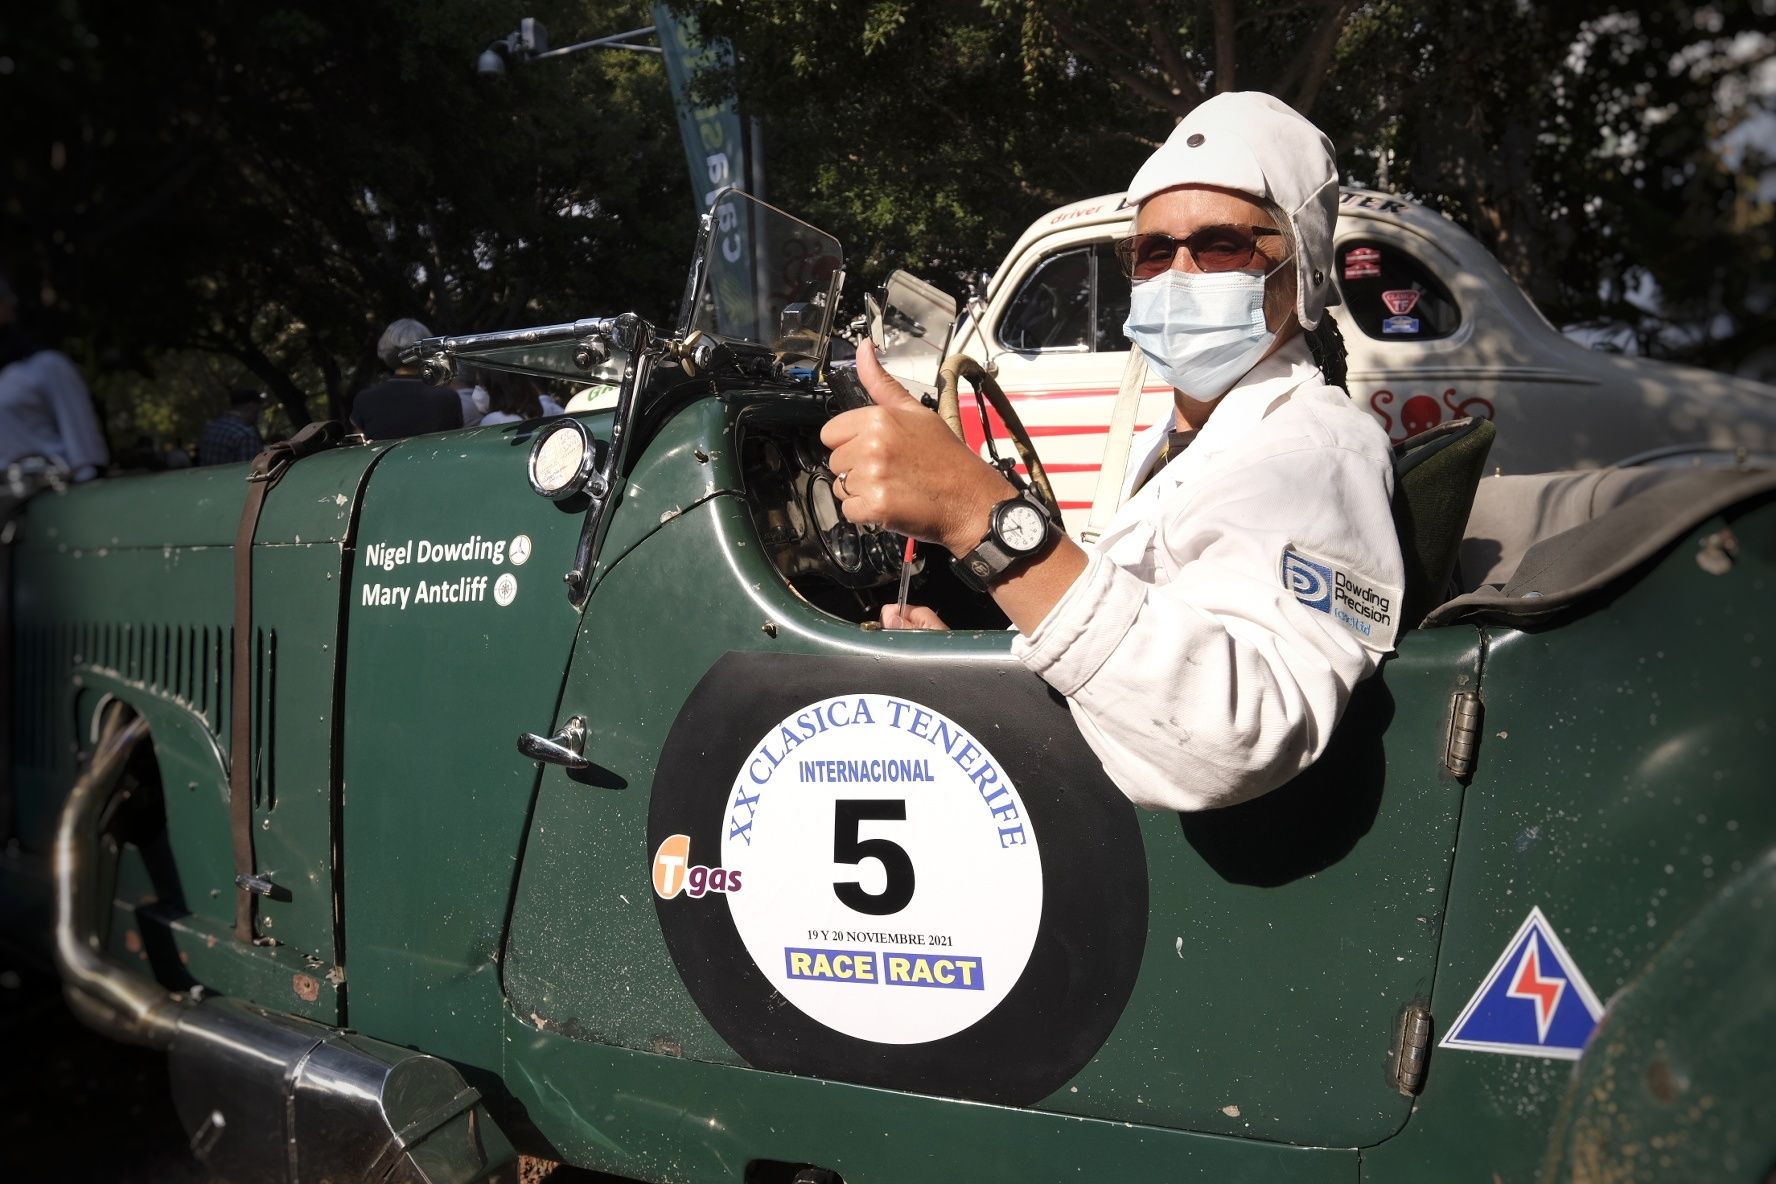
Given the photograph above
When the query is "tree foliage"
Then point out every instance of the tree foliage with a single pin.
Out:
(273, 183)
(1599, 150)
(1603, 151)
(224, 191)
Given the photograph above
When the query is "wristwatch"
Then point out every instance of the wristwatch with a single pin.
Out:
(1018, 528)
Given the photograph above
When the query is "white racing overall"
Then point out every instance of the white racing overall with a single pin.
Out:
(1212, 642)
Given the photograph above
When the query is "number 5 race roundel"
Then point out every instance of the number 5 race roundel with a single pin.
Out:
(930, 902)
(938, 911)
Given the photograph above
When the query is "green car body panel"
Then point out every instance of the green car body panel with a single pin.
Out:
(124, 599)
(446, 894)
(1623, 788)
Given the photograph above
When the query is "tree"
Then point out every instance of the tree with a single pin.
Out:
(273, 183)
(1588, 146)
(1591, 146)
(270, 184)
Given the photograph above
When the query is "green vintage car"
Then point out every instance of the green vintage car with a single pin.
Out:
(762, 892)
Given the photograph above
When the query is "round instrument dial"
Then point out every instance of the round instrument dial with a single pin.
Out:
(561, 459)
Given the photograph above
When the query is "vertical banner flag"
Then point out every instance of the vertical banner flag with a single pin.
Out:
(714, 152)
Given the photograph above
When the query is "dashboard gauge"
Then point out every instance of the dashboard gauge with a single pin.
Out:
(823, 506)
(845, 545)
(810, 454)
(876, 553)
(561, 459)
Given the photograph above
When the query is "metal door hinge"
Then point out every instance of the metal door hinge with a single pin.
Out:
(1465, 716)
(1410, 1050)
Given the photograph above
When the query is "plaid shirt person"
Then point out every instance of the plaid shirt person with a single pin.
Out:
(232, 436)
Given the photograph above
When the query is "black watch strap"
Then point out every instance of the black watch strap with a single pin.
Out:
(976, 570)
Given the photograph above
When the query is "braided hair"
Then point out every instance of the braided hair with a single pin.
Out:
(1324, 341)
(1326, 344)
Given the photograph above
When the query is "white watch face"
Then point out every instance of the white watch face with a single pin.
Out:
(1021, 528)
(558, 460)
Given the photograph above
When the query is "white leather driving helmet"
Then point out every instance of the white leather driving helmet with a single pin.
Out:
(1259, 145)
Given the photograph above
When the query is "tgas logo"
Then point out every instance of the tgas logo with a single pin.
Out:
(674, 872)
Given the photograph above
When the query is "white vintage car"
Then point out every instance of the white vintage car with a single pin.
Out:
(1435, 330)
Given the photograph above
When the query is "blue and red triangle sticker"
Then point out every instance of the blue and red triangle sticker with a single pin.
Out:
(1534, 1002)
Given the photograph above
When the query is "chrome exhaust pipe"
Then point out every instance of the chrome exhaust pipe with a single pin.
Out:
(264, 1096)
(106, 996)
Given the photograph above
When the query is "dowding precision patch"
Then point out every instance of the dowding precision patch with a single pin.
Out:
(1367, 609)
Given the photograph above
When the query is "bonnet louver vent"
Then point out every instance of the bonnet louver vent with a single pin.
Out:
(188, 664)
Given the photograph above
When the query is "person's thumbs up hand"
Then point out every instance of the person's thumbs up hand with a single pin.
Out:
(897, 464)
(882, 386)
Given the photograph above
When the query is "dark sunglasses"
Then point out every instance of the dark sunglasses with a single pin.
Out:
(1213, 248)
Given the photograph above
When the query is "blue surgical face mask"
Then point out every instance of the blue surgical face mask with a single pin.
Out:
(1201, 332)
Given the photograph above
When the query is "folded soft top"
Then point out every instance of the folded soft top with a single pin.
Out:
(1539, 545)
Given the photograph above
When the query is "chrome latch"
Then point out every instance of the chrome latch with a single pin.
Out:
(257, 885)
(260, 884)
(565, 748)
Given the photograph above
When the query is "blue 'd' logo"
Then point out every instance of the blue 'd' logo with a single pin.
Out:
(1307, 581)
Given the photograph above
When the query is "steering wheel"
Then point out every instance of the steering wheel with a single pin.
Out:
(949, 405)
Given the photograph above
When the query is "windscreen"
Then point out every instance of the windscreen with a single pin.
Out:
(911, 331)
(555, 359)
(766, 278)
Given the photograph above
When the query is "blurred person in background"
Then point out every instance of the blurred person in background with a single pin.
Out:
(513, 398)
(472, 394)
(404, 404)
(140, 457)
(233, 436)
(45, 410)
